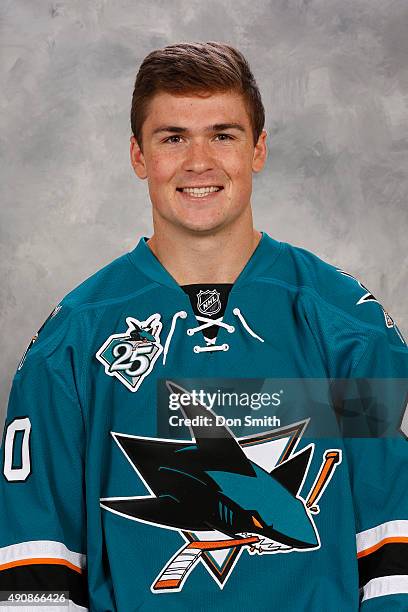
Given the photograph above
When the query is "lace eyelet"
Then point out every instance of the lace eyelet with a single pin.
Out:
(190, 332)
(225, 347)
(231, 329)
(196, 349)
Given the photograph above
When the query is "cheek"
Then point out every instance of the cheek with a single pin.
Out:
(238, 165)
(240, 173)
(161, 168)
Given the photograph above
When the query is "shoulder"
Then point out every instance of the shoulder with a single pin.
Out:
(115, 282)
(335, 291)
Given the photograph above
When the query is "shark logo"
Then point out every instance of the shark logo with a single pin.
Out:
(35, 337)
(130, 356)
(369, 297)
(223, 494)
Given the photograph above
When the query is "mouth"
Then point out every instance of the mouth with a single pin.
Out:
(265, 545)
(206, 192)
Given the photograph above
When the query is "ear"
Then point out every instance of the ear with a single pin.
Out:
(260, 152)
(137, 159)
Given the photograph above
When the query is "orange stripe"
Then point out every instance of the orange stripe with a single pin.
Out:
(166, 584)
(395, 540)
(41, 561)
(214, 545)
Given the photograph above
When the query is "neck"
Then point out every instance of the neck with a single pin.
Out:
(193, 258)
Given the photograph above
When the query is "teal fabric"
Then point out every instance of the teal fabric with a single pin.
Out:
(298, 318)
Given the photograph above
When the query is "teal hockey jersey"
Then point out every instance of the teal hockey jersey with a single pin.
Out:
(130, 483)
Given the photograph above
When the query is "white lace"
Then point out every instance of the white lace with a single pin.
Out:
(239, 314)
(206, 322)
(183, 315)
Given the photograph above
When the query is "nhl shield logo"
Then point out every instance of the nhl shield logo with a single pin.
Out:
(208, 302)
(130, 356)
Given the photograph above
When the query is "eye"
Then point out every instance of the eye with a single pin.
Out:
(169, 139)
(225, 137)
(256, 522)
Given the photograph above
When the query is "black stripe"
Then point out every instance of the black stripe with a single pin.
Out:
(389, 560)
(47, 577)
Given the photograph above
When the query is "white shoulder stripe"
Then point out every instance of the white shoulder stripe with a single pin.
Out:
(386, 585)
(40, 549)
(397, 530)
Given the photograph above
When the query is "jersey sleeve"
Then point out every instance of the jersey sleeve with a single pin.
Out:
(42, 492)
(377, 456)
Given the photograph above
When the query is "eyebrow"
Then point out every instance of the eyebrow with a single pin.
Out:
(217, 127)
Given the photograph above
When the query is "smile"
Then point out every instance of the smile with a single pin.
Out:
(199, 192)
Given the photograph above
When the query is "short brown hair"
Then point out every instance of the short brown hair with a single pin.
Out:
(198, 68)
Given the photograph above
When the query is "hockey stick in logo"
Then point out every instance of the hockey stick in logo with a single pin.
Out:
(175, 572)
(331, 458)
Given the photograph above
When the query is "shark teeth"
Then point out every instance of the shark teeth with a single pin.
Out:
(265, 545)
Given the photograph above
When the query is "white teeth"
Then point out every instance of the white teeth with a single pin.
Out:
(200, 192)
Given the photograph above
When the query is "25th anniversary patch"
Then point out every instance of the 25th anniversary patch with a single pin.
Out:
(131, 355)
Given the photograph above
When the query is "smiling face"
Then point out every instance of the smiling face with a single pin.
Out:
(198, 158)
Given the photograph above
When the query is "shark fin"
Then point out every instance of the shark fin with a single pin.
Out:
(164, 511)
(290, 474)
(158, 510)
(214, 440)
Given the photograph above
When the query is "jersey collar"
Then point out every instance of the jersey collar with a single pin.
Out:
(261, 259)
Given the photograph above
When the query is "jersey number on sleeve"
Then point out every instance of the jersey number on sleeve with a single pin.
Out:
(11, 472)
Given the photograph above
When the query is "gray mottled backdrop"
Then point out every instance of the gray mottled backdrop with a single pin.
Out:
(334, 79)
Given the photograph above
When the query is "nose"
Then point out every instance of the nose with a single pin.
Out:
(199, 158)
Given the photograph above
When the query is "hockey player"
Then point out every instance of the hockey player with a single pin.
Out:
(104, 506)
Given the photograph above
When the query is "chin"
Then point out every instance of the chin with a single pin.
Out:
(203, 227)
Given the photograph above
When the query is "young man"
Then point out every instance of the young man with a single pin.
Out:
(121, 483)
